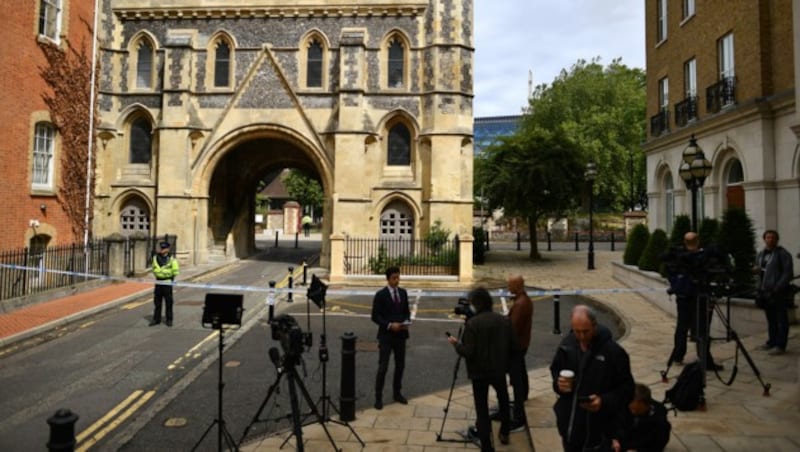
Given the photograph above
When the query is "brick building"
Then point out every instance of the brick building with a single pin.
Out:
(30, 150)
(725, 71)
(198, 100)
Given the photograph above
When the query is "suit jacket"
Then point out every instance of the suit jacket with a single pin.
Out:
(384, 311)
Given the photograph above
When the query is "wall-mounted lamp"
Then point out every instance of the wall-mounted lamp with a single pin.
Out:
(43, 207)
(33, 223)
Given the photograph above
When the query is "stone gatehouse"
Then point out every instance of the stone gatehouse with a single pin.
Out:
(198, 100)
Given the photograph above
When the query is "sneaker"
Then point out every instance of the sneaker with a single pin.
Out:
(517, 426)
(378, 404)
(776, 351)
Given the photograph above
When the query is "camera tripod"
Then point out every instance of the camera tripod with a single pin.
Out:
(288, 366)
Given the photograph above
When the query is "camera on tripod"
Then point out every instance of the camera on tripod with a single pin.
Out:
(463, 308)
(706, 270)
(287, 331)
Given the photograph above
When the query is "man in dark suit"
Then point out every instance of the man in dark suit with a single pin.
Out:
(391, 313)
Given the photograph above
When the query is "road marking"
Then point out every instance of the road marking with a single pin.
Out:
(131, 403)
(193, 352)
(134, 305)
(87, 324)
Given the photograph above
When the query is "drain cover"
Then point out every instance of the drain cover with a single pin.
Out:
(175, 422)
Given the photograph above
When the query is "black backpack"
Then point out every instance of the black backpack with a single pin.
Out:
(685, 393)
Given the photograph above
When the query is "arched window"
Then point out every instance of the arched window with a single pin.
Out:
(43, 150)
(734, 192)
(399, 145)
(314, 65)
(141, 141)
(144, 65)
(396, 63)
(134, 217)
(669, 202)
(222, 64)
(397, 228)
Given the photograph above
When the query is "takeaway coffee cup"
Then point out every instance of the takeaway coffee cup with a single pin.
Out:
(568, 375)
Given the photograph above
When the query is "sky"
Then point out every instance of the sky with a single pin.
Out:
(513, 37)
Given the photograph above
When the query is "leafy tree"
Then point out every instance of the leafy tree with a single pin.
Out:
(478, 246)
(305, 190)
(602, 110)
(657, 244)
(530, 174)
(637, 241)
(437, 236)
(737, 237)
(680, 227)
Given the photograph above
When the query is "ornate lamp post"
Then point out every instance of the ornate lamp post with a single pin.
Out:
(591, 175)
(694, 170)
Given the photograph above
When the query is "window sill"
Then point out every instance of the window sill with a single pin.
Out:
(40, 190)
(660, 43)
(686, 20)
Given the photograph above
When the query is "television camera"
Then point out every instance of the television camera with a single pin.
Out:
(287, 331)
(463, 308)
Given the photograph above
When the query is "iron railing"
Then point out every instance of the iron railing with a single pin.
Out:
(50, 268)
(372, 256)
(721, 94)
(659, 123)
(686, 111)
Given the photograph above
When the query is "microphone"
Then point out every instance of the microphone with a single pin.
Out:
(275, 356)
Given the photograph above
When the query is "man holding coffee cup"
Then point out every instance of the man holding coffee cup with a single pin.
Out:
(592, 377)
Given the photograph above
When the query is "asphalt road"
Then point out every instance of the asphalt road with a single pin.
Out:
(140, 388)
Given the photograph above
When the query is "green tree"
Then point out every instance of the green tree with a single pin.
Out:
(305, 190)
(708, 231)
(602, 110)
(530, 174)
(657, 244)
(737, 237)
(637, 241)
(680, 227)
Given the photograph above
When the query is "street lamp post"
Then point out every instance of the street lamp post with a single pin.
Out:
(694, 170)
(591, 175)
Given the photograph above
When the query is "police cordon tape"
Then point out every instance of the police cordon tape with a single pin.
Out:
(301, 291)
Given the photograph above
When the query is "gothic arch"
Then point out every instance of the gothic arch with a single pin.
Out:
(135, 70)
(304, 64)
(390, 79)
(212, 67)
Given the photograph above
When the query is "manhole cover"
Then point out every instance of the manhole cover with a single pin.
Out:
(233, 364)
(175, 422)
(366, 346)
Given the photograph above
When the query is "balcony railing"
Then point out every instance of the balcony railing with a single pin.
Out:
(721, 94)
(686, 111)
(659, 123)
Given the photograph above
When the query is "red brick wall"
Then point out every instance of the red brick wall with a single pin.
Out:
(21, 89)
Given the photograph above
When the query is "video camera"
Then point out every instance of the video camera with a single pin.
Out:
(463, 308)
(708, 269)
(287, 331)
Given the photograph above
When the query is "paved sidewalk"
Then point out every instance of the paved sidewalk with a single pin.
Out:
(738, 418)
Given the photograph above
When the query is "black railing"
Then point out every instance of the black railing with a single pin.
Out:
(721, 94)
(370, 256)
(51, 268)
(659, 123)
(686, 111)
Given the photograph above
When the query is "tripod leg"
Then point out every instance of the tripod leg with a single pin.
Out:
(449, 400)
(314, 411)
(199, 441)
(297, 425)
(255, 419)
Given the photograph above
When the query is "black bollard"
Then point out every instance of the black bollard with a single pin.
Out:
(549, 241)
(487, 240)
(347, 389)
(577, 247)
(296, 239)
(291, 284)
(62, 431)
(276, 238)
(305, 273)
(556, 314)
(612, 240)
(518, 241)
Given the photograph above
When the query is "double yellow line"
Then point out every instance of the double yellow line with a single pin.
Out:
(112, 419)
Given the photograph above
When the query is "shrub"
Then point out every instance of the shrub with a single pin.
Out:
(437, 236)
(657, 245)
(680, 227)
(637, 241)
(708, 231)
(736, 237)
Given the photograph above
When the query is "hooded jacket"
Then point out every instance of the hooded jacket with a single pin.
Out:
(604, 369)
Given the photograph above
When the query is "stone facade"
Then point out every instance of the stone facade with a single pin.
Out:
(212, 142)
(752, 140)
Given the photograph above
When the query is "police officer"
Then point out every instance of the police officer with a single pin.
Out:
(165, 268)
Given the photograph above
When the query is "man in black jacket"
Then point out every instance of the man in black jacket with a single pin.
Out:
(776, 270)
(644, 426)
(391, 313)
(601, 385)
(486, 346)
